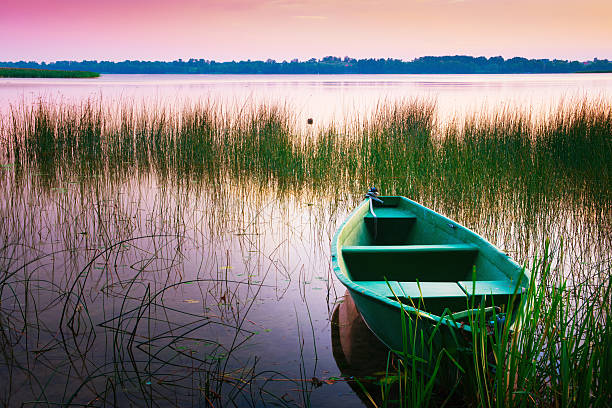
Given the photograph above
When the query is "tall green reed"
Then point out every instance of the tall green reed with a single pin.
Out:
(401, 146)
(557, 354)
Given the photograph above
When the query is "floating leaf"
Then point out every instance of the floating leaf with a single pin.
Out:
(216, 358)
(191, 301)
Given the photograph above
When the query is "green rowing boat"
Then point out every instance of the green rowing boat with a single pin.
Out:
(406, 265)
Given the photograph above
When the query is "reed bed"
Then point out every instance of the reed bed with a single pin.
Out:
(109, 215)
(564, 153)
(44, 73)
(556, 355)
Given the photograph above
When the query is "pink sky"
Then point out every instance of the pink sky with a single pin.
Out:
(284, 29)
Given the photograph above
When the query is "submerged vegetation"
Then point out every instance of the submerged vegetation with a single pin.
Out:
(138, 246)
(44, 73)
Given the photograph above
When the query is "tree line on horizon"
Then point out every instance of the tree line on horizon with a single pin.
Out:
(458, 64)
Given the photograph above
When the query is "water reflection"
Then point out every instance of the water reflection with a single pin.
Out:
(138, 277)
(357, 351)
(359, 354)
(371, 369)
(327, 98)
(185, 260)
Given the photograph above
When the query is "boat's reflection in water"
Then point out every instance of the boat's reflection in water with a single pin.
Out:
(365, 360)
(358, 352)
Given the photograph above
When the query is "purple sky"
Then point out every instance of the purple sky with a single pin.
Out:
(284, 29)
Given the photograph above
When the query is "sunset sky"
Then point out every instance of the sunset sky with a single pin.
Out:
(49, 30)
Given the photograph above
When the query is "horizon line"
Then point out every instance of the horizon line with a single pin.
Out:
(294, 60)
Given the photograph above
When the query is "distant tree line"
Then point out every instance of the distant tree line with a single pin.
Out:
(458, 64)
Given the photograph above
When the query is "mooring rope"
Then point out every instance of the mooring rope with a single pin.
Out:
(372, 194)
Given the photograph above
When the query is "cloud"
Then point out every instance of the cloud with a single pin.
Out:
(287, 3)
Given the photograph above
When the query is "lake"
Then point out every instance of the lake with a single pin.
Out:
(322, 97)
(187, 262)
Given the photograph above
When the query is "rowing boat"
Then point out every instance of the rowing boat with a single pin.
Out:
(411, 271)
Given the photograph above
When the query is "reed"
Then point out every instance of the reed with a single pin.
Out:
(557, 352)
(399, 148)
(44, 73)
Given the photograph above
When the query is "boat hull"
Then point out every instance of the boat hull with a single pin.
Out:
(385, 321)
(407, 269)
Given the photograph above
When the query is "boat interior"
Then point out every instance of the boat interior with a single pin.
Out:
(423, 260)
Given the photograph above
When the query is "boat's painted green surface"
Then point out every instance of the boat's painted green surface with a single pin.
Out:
(410, 257)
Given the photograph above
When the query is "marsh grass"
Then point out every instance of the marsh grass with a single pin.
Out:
(562, 155)
(559, 354)
(556, 354)
(44, 73)
(83, 233)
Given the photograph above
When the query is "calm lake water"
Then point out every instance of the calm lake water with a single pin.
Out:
(144, 286)
(321, 97)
